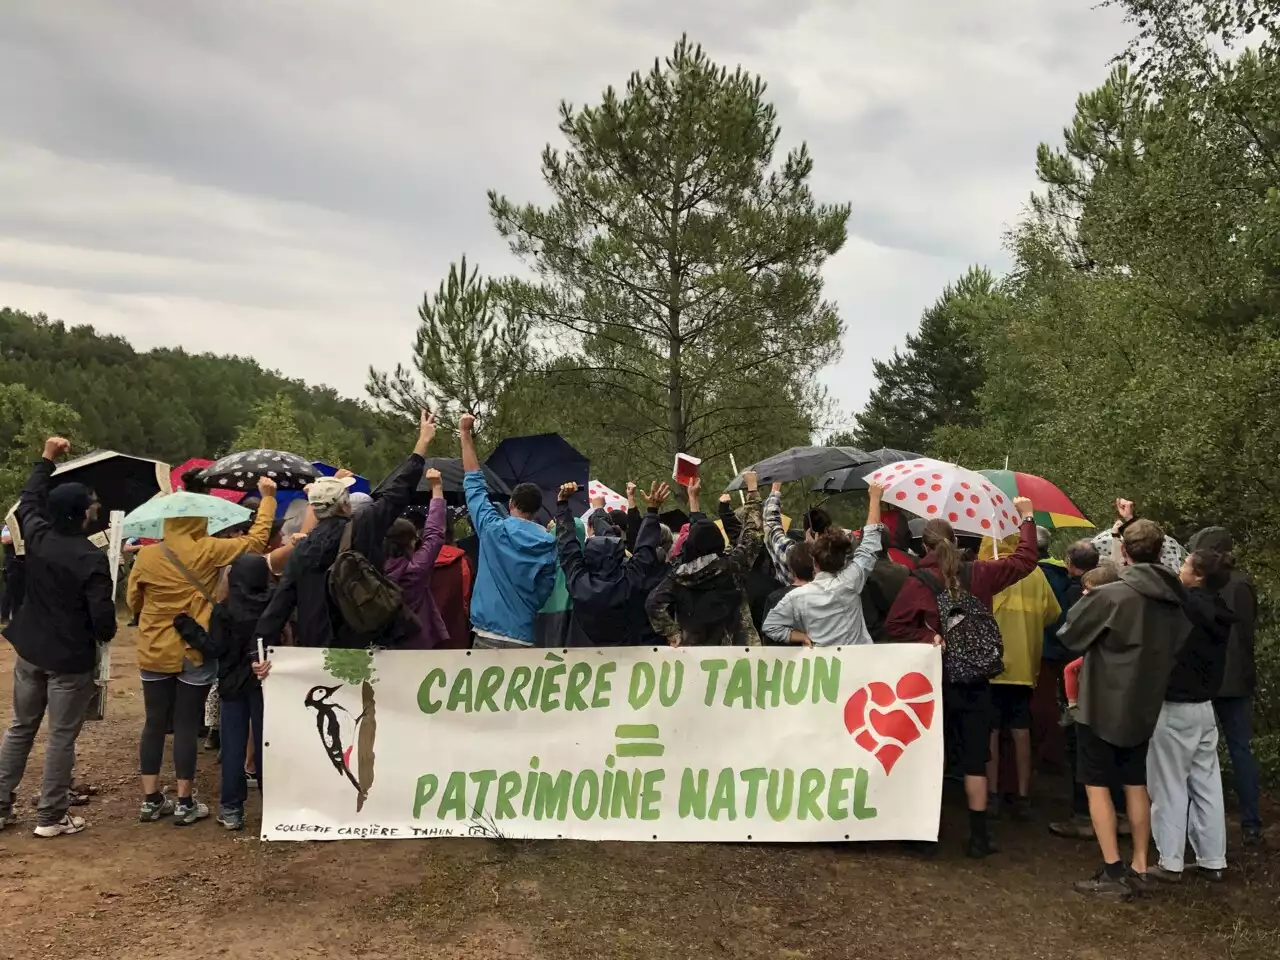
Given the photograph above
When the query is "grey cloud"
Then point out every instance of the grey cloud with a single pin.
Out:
(317, 162)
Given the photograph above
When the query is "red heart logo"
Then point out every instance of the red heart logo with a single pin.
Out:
(885, 720)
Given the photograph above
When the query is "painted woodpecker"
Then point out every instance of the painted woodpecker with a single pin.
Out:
(330, 719)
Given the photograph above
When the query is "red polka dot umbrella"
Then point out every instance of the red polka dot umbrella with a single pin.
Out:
(934, 489)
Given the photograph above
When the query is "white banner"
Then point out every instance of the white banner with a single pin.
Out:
(761, 744)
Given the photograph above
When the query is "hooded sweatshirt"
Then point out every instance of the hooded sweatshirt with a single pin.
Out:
(1130, 634)
(158, 591)
(451, 590)
(702, 602)
(413, 576)
(914, 615)
(1197, 672)
(304, 586)
(608, 587)
(1023, 611)
(517, 566)
(68, 608)
(1240, 673)
(231, 637)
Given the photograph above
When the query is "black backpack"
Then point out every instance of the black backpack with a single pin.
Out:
(365, 599)
(974, 648)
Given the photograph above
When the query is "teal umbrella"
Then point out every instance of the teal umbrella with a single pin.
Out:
(147, 522)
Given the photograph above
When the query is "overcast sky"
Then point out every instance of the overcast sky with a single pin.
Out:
(284, 178)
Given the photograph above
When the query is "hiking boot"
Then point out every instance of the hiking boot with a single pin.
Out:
(185, 814)
(1102, 887)
(1212, 874)
(231, 819)
(1021, 810)
(1077, 828)
(979, 848)
(67, 825)
(1160, 874)
(150, 811)
(1253, 837)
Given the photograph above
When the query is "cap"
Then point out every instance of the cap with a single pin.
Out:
(328, 496)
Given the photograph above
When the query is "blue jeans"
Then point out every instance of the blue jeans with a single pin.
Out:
(237, 717)
(1235, 715)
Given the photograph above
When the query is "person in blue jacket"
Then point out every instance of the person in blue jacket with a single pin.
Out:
(517, 568)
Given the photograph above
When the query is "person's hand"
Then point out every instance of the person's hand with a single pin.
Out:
(673, 641)
(597, 502)
(426, 427)
(1124, 509)
(56, 447)
(434, 480)
(467, 424)
(802, 638)
(631, 493)
(694, 486)
(1026, 510)
(657, 495)
(266, 487)
(296, 538)
(751, 480)
(261, 668)
(875, 490)
(725, 498)
(939, 642)
(567, 490)
(343, 474)
(776, 489)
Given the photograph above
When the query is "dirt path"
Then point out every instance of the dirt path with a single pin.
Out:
(126, 890)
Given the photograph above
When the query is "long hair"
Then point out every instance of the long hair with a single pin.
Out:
(401, 540)
(940, 540)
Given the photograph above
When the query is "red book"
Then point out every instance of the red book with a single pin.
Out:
(686, 469)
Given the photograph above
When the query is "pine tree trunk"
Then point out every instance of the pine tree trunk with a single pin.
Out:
(364, 744)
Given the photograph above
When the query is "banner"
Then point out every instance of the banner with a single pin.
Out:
(760, 744)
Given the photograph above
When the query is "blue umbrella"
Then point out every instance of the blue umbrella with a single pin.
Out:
(147, 522)
(286, 497)
(546, 460)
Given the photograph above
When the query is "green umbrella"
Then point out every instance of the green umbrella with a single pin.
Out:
(147, 522)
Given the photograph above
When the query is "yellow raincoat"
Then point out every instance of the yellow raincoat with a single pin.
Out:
(158, 592)
(1022, 611)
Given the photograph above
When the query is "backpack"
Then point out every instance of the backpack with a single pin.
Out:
(974, 648)
(366, 600)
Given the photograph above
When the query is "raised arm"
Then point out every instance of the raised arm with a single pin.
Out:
(1001, 574)
(728, 519)
(577, 579)
(424, 558)
(482, 512)
(32, 511)
(743, 553)
(854, 576)
(396, 492)
(644, 558)
(776, 540)
(222, 552)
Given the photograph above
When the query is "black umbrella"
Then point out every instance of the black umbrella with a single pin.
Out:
(240, 471)
(674, 519)
(850, 478)
(546, 460)
(800, 462)
(451, 474)
(121, 482)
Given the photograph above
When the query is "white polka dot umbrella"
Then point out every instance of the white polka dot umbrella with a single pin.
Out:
(240, 471)
(934, 489)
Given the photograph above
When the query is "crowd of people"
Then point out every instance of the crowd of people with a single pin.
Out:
(1141, 648)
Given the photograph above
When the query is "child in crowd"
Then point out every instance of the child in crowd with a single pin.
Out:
(1100, 575)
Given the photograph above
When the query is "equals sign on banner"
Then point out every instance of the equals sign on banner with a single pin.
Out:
(637, 740)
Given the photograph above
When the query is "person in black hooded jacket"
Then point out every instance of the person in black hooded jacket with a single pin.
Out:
(607, 587)
(67, 612)
(305, 583)
(702, 601)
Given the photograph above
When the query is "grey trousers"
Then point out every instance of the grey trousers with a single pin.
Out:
(64, 697)
(1185, 782)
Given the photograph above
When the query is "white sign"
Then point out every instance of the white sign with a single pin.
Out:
(767, 744)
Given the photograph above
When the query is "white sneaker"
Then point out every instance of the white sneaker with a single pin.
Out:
(66, 825)
(185, 815)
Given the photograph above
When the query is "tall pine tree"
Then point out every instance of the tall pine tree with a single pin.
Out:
(679, 268)
(468, 355)
(932, 381)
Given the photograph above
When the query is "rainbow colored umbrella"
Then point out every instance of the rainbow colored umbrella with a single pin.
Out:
(1054, 509)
